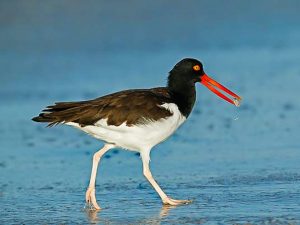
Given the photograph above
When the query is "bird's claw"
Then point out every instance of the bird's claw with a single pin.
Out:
(174, 202)
(90, 198)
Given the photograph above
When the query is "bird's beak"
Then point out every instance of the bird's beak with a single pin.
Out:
(212, 85)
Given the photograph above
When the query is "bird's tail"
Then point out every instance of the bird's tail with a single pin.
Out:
(60, 112)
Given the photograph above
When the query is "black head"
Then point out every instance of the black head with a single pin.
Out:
(187, 66)
(185, 74)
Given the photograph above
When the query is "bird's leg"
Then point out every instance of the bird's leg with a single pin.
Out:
(90, 195)
(147, 173)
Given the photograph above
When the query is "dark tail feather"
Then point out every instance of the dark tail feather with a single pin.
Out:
(40, 118)
(58, 113)
(46, 118)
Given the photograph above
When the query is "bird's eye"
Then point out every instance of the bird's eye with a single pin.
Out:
(196, 68)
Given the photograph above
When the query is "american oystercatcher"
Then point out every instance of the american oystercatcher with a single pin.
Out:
(137, 119)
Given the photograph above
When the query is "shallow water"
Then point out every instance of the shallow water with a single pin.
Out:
(239, 165)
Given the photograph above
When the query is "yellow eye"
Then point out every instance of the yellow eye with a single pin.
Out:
(196, 68)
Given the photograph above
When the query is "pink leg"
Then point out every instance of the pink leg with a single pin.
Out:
(90, 195)
(147, 173)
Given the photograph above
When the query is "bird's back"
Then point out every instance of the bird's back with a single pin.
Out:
(130, 106)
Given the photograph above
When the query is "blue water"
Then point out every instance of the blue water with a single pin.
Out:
(239, 165)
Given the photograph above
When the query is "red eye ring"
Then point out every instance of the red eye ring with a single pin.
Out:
(196, 68)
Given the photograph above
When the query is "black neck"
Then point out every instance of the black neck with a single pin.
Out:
(184, 95)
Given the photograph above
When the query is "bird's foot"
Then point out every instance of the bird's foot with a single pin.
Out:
(90, 198)
(170, 201)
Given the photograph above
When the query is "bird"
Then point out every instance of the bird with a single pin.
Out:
(137, 119)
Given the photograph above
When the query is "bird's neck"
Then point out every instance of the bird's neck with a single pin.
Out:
(184, 95)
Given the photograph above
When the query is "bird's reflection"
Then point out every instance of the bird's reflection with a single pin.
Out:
(164, 211)
(93, 216)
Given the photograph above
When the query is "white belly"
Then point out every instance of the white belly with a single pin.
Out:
(137, 137)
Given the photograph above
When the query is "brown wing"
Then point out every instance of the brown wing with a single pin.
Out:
(131, 106)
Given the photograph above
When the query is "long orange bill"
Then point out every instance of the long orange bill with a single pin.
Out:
(212, 85)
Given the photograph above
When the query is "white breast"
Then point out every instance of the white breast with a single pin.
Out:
(136, 137)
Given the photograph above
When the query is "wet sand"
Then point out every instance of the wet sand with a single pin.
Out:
(239, 165)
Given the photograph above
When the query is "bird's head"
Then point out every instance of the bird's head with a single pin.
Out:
(189, 71)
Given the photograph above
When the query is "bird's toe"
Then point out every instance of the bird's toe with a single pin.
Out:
(170, 201)
(90, 198)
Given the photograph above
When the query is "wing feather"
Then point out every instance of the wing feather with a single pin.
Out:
(131, 106)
